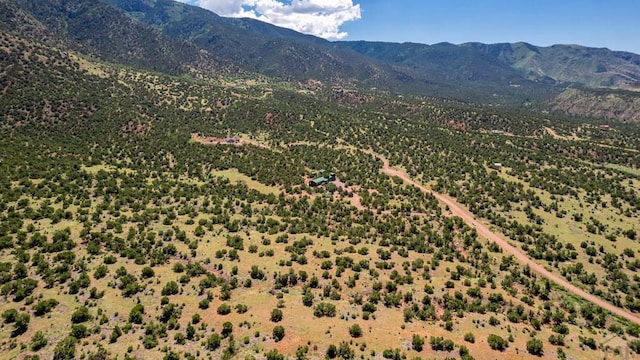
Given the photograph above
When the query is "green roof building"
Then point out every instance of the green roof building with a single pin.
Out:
(322, 180)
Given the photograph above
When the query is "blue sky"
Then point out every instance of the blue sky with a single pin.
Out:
(600, 23)
(614, 24)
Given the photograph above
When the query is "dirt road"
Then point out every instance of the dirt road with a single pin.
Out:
(483, 230)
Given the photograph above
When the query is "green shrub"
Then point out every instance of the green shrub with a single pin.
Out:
(278, 333)
(469, 337)
(38, 341)
(224, 309)
(171, 288)
(81, 315)
(355, 331)
(497, 343)
(534, 347)
(276, 315)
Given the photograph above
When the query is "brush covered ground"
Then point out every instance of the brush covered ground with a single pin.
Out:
(122, 238)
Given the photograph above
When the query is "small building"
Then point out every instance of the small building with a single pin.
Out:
(318, 181)
(322, 180)
(496, 166)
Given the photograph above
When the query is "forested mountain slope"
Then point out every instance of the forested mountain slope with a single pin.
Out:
(512, 63)
(98, 30)
(516, 74)
(287, 54)
(171, 37)
(264, 48)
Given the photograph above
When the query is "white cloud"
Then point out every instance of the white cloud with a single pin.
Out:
(321, 18)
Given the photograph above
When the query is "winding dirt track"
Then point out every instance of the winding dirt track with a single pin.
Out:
(483, 230)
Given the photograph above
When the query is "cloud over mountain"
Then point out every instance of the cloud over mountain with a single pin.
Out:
(321, 18)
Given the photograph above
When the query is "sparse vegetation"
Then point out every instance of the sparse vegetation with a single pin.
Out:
(121, 237)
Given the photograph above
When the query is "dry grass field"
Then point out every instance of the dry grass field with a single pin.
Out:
(385, 329)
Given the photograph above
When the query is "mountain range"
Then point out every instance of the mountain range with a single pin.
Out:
(176, 38)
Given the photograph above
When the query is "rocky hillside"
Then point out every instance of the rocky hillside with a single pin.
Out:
(592, 67)
(608, 104)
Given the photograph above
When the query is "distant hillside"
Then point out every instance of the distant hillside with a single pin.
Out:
(99, 30)
(175, 38)
(289, 55)
(591, 67)
(545, 74)
(261, 47)
(608, 104)
(512, 63)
